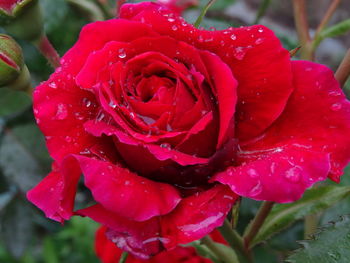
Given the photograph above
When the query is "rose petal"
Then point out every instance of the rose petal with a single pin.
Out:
(280, 174)
(195, 217)
(55, 194)
(316, 117)
(120, 190)
(254, 55)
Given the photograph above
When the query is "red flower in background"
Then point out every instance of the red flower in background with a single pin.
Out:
(107, 252)
(169, 123)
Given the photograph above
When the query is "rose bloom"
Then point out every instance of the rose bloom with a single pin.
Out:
(167, 124)
(107, 252)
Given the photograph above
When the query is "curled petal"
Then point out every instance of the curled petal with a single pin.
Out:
(281, 174)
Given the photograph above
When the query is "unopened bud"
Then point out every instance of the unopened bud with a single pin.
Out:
(11, 60)
(21, 18)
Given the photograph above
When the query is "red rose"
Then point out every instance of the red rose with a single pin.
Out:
(167, 123)
(107, 252)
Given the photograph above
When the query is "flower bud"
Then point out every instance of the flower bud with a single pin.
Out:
(11, 60)
(21, 18)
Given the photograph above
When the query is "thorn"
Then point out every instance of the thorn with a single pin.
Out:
(294, 51)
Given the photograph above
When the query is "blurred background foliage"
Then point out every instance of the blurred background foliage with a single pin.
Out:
(26, 236)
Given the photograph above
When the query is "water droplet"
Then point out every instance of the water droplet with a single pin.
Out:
(100, 116)
(121, 53)
(166, 146)
(233, 37)
(259, 41)
(260, 30)
(334, 93)
(132, 115)
(86, 151)
(127, 182)
(293, 174)
(272, 168)
(174, 27)
(78, 116)
(62, 111)
(68, 139)
(171, 19)
(87, 102)
(336, 107)
(239, 53)
(53, 85)
(252, 173)
(200, 38)
(112, 104)
(257, 189)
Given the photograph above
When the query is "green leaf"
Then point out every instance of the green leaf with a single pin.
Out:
(16, 227)
(333, 31)
(13, 102)
(18, 164)
(54, 13)
(49, 251)
(262, 10)
(336, 30)
(313, 201)
(330, 245)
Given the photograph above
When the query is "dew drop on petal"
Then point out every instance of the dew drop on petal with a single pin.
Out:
(100, 116)
(200, 38)
(87, 102)
(259, 41)
(336, 107)
(260, 30)
(170, 19)
(121, 53)
(174, 27)
(233, 37)
(62, 111)
(112, 104)
(293, 174)
(257, 189)
(334, 93)
(53, 85)
(166, 146)
(239, 53)
(252, 173)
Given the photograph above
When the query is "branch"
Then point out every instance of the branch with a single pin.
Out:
(343, 70)
(331, 9)
(258, 221)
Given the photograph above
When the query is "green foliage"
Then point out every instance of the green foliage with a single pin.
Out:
(13, 102)
(314, 200)
(333, 31)
(330, 244)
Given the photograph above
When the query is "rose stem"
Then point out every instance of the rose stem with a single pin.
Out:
(257, 222)
(302, 26)
(235, 241)
(203, 12)
(333, 6)
(123, 257)
(217, 250)
(46, 48)
(343, 70)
